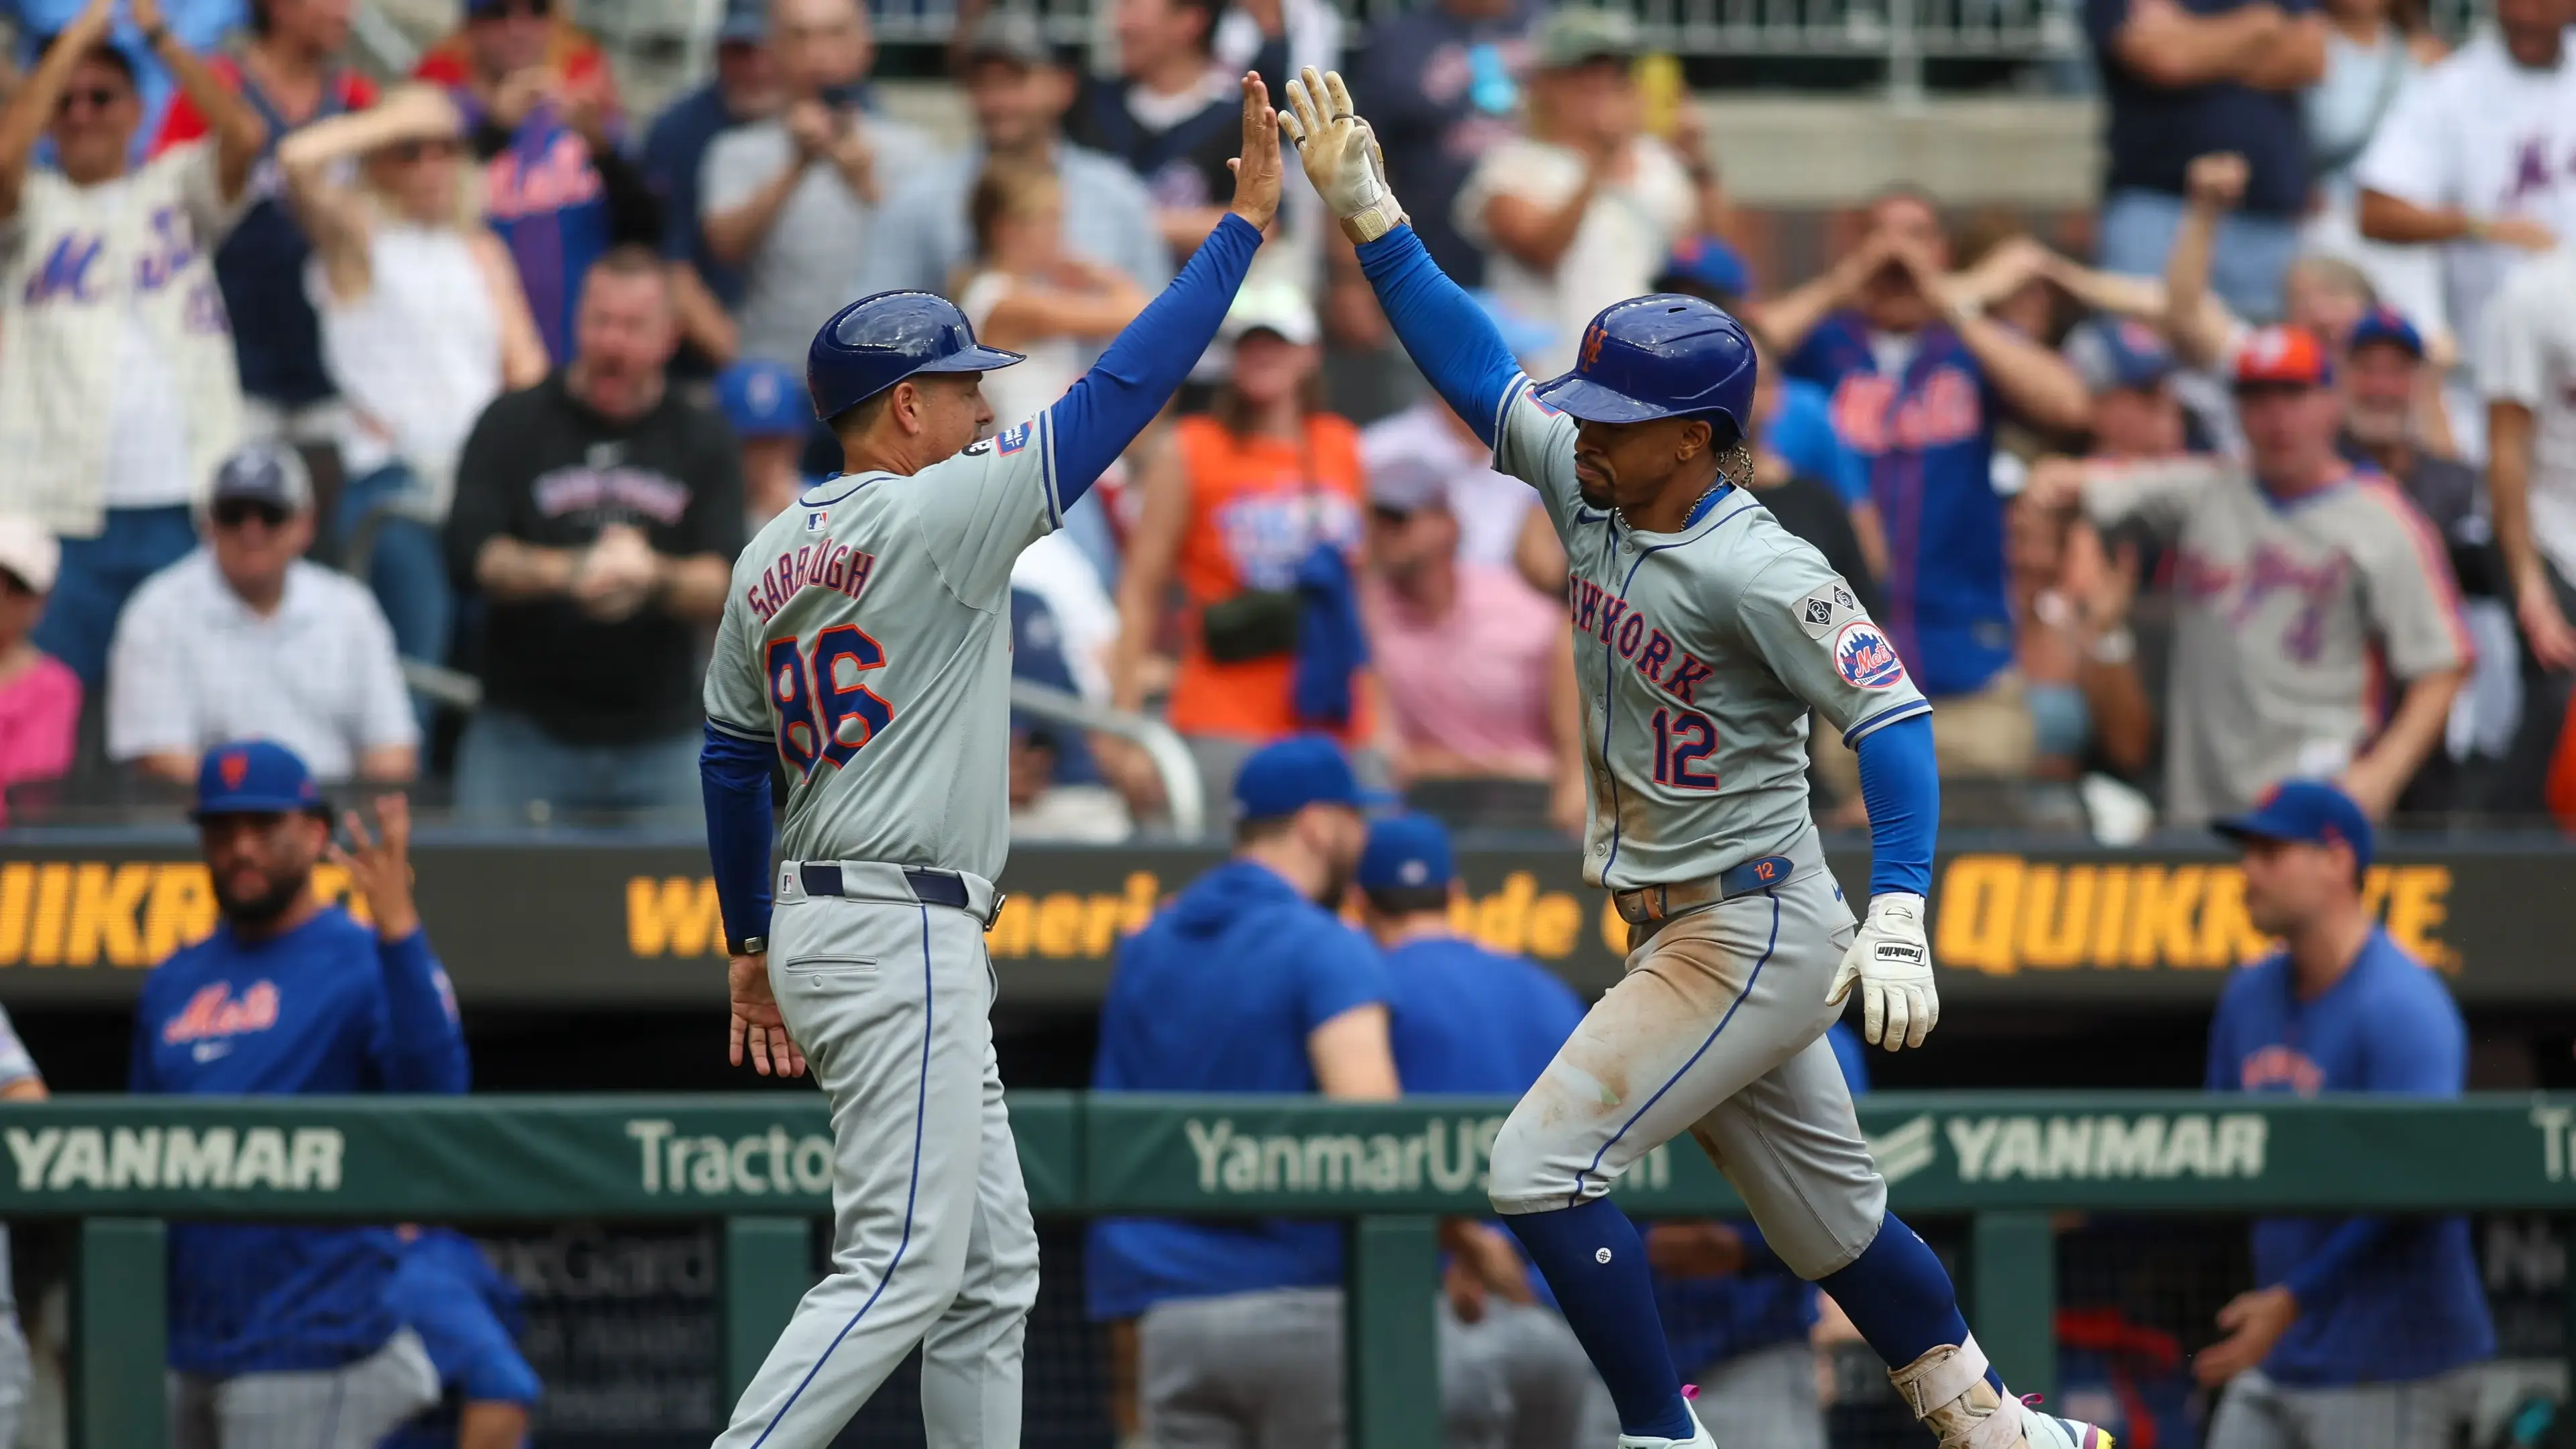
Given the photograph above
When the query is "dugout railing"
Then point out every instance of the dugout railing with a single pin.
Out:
(2005, 1162)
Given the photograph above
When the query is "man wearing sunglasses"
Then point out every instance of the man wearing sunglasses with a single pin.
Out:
(244, 639)
(121, 393)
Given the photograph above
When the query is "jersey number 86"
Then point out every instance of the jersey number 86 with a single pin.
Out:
(824, 713)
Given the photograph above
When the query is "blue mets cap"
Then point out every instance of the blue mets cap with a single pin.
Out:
(1407, 852)
(763, 399)
(2313, 811)
(255, 777)
(1707, 261)
(2118, 354)
(2386, 324)
(1299, 771)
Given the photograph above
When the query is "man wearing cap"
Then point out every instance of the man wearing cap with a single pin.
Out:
(2128, 370)
(1246, 982)
(1433, 444)
(1476, 666)
(744, 89)
(765, 406)
(2304, 586)
(598, 513)
(1471, 1022)
(244, 638)
(1583, 210)
(2365, 1330)
(121, 394)
(792, 201)
(286, 1330)
(1017, 91)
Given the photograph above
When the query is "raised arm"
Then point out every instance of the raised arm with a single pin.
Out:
(330, 212)
(23, 123)
(240, 135)
(2195, 321)
(1104, 411)
(1447, 334)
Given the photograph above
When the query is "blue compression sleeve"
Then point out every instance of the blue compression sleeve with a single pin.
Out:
(734, 773)
(1449, 337)
(2357, 1236)
(1095, 421)
(428, 1043)
(1901, 784)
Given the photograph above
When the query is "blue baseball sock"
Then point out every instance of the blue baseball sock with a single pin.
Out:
(1899, 1297)
(1596, 1265)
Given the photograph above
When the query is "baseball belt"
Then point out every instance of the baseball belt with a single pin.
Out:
(1650, 904)
(930, 887)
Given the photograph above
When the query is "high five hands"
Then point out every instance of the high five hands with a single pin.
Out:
(1341, 155)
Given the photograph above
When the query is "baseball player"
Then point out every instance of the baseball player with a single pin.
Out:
(468, 1318)
(282, 1335)
(1703, 634)
(864, 648)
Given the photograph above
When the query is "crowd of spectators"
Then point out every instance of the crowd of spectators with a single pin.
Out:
(2282, 483)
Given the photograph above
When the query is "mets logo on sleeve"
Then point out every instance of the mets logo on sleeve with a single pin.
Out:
(1011, 440)
(1864, 657)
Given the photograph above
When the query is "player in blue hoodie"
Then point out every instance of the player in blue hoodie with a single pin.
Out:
(2365, 1332)
(1246, 983)
(283, 1334)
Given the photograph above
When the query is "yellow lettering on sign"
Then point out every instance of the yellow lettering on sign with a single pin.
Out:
(1980, 900)
(675, 916)
(1502, 919)
(1614, 931)
(181, 911)
(17, 896)
(2053, 921)
(105, 901)
(53, 895)
(2418, 904)
(2227, 934)
(1010, 934)
(1554, 921)
(2161, 925)
(1059, 928)
(1144, 893)
(1100, 918)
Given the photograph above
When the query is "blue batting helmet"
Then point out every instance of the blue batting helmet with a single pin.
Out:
(876, 342)
(1664, 356)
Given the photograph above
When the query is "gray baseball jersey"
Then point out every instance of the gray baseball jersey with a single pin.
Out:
(868, 636)
(2296, 622)
(1700, 654)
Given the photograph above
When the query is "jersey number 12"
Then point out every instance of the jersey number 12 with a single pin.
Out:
(824, 713)
(1684, 738)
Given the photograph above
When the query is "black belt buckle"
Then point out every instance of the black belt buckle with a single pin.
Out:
(819, 880)
(936, 888)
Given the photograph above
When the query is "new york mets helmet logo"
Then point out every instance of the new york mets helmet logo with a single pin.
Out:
(1865, 659)
(1592, 345)
(234, 766)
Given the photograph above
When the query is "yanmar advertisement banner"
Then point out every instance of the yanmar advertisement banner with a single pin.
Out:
(524, 924)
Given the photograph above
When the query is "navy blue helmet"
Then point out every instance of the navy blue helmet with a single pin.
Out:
(1663, 356)
(876, 342)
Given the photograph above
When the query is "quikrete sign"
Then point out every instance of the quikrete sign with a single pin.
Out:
(580, 924)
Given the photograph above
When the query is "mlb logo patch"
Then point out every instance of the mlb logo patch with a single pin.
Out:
(1865, 659)
(815, 519)
(1011, 440)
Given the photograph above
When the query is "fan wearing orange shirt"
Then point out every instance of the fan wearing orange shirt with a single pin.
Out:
(1235, 505)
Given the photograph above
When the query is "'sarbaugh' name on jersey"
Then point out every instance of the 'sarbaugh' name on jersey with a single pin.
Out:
(1618, 626)
(830, 564)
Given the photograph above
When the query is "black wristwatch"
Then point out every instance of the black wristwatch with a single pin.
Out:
(747, 946)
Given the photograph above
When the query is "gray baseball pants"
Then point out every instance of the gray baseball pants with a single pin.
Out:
(1264, 1370)
(1716, 1030)
(932, 1244)
(1766, 1398)
(2433, 1413)
(351, 1407)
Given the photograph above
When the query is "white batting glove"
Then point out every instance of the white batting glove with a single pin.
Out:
(1893, 964)
(1341, 155)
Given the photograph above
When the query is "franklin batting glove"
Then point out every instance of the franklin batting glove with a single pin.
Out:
(1341, 155)
(1893, 965)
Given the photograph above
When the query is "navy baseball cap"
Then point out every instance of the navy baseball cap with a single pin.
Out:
(1407, 852)
(2313, 811)
(2386, 324)
(746, 22)
(255, 777)
(1299, 771)
(2118, 354)
(763, 399)
(1707, 261)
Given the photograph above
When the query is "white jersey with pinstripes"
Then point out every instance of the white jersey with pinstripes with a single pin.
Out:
(1700, 654)
(868, 639)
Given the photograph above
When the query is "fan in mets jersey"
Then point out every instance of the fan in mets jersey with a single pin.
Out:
(1704, 635)
(866, 648)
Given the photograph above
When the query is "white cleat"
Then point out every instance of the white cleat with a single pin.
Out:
(1947, 1390)
(1698, 1440)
